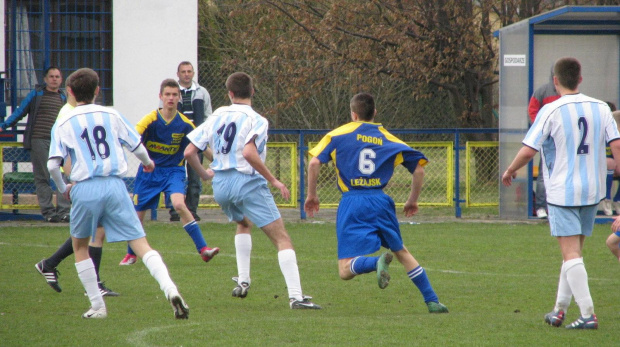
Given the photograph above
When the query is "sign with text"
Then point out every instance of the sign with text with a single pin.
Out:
(514, 59)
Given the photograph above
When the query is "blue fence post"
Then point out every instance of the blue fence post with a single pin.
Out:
(2, 101)
(46, 34)
(13, 53)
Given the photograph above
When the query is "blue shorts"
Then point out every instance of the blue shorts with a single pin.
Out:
(149, 186)
(104, 201)
(570, 221)
(240, 195)
(366, 220)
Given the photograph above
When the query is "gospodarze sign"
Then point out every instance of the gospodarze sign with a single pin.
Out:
(514, 59)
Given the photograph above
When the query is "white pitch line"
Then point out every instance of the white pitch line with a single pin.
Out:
(137, 338)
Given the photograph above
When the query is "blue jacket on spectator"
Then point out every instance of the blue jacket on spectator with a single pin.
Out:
(29, 106)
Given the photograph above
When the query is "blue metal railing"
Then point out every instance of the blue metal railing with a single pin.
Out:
(69, 34)
(302, 151)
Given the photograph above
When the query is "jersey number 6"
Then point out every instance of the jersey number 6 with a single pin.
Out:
(365, 164)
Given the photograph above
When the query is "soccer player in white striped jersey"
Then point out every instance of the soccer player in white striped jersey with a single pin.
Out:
(93, 136)
(47, 266)
(571, 134)
(237, 137)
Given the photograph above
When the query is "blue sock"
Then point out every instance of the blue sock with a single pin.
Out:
(608, 182)
(617, 196)
(362, 265)
(193, 230)
(419, 278)
(129, 250)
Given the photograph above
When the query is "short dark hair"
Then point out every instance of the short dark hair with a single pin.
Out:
(83, 84)
(240, 83)
(184, 62)
(568, 72)
(169, 82)
(46, 71)
(363, 104)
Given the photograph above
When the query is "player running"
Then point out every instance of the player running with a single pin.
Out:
(93, 137)
(365, 155)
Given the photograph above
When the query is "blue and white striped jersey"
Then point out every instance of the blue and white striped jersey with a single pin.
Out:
(227, 131)
(571, 134)
(93, 136)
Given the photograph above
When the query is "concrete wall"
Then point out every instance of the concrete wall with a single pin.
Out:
(598, 55)
(150, 38)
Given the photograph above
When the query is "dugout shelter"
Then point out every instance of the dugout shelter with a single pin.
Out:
(527, 50)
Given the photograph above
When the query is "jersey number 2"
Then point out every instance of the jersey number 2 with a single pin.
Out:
(103, 149)
(583, 148)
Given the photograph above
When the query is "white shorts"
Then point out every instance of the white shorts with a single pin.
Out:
(569, 221)
(240, 195)
(104, 201)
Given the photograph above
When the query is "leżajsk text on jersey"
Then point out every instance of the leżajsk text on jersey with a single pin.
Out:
(365, 155)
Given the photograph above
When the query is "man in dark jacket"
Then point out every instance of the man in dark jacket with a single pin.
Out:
(41, 106)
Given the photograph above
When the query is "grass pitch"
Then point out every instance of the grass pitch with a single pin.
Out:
(497, 279)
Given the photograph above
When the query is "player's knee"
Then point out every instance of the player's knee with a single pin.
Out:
(612, 242)
(179, 206)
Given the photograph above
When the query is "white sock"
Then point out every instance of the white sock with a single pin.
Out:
(288, 266)
(564, 293)
(578, 280)
(243, 248)
(88, 276)
(153, 261)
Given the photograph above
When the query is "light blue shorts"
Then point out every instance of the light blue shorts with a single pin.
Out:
(104, 201)
(569, 221)
(149, 186)
(365, 221)
(240, 195)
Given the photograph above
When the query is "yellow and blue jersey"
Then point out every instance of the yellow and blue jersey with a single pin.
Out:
(165, 141)
(365, 155)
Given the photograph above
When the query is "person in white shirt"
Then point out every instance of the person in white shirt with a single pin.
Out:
(236, 137)
(571, 134)
(47, 266)
(93, 136)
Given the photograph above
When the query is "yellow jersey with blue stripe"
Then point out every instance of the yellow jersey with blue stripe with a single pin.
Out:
(365, 155)
(165, 141)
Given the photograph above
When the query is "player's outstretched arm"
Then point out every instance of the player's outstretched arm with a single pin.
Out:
(191, 155)
(312, 200)
(411, 205)
(250, 153)
(142, 154)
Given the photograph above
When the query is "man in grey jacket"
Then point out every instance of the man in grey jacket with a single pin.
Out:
(41, 106)
(195, 104)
